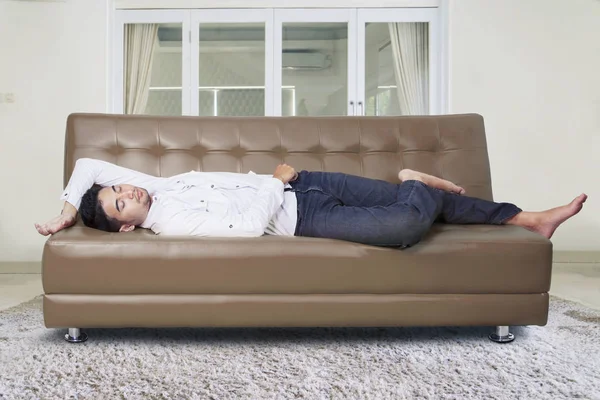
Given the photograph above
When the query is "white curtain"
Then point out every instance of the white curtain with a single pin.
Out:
(410, 47)
(139, 53)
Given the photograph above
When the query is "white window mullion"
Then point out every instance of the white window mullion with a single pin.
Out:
(270, 65)
(194, 65)
(234, 4)
(118, 66)
(353, 48)
(186, 66)
(360, 60)
(443, 35)
(277, 60)
(435, 69)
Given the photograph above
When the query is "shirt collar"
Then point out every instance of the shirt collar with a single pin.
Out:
(151, 217)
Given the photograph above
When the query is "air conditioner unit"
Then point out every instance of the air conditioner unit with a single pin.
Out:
(307, 60)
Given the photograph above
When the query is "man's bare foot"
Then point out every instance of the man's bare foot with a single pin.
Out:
(546, 222)
(430, 180)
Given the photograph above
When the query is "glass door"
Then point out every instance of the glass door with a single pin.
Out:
(231, 62)
(314, 62)
(151, 63)
(399, 62)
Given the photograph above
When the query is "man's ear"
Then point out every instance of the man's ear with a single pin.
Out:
(127, 228)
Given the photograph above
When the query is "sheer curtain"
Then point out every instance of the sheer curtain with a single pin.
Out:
(139, 53)
(410, 47)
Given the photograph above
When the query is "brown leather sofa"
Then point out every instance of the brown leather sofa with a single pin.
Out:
(458, 275)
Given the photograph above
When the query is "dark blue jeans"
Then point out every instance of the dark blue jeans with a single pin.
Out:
(371, 211)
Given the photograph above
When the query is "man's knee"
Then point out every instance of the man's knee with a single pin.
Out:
(412, 230)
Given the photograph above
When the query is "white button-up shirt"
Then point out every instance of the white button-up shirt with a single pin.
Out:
(198, 203)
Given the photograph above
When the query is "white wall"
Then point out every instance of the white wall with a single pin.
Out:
(532, 69)
(57, 66)
(529, 67)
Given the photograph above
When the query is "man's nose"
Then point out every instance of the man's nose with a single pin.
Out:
(127, 194)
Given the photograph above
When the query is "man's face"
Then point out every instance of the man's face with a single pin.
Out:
(127, 204)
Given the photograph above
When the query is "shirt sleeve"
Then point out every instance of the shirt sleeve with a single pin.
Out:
(88, 172)
(251, 222)
(287, 185)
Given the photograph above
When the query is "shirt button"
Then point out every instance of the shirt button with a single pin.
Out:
(201, 201)
(231, 226)
(212, 186)
(237, 185)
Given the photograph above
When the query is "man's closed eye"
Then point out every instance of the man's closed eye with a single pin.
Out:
(117, 201)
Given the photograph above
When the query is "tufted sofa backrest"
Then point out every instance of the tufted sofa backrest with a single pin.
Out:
(450, 146)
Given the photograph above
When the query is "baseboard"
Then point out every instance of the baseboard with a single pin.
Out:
(577, 257)
(20, 267)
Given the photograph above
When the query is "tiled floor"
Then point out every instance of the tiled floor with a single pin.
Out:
(579, 282)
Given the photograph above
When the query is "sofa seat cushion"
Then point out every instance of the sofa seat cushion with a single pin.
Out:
(451, 259)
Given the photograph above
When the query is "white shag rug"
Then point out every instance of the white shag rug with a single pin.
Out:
(558, 361)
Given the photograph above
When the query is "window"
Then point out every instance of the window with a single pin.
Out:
(291, 62)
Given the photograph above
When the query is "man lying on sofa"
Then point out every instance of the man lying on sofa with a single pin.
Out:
(315, 204)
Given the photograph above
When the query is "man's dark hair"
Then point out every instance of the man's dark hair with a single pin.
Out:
(93, 214)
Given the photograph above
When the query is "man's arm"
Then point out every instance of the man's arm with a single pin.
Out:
(86, 173)
(66, 219)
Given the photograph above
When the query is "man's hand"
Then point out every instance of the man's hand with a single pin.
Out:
(64, 220)
(285, 173)
(55, 224)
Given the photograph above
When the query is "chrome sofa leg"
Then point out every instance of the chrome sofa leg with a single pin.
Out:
(502, 335)
(76, 336)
